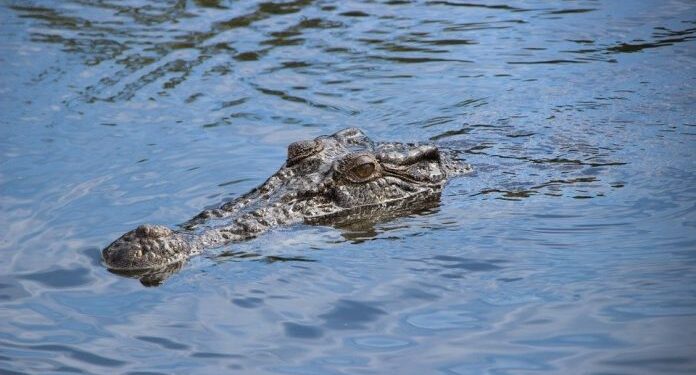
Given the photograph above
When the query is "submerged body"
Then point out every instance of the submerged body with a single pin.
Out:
(333, 179)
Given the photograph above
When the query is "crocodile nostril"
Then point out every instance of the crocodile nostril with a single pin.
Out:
(303, 149)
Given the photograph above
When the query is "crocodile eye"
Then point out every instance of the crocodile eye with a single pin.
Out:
(303, 149)
(364, 170)
(358, 168)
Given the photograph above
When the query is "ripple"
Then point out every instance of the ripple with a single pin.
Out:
(567, 11)
(76, 354)
(11, 290)
(383, 343)
(117, 113)
(652, 362)
(476, 5)
(443, 320)
(163, 342)
(215, 355)
(587, 340)
(248, 303)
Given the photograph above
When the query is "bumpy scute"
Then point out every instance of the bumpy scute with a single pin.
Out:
(152, 231)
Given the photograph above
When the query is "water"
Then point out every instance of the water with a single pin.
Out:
(571, 249)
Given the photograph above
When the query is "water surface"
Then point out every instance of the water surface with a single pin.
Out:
(571, 249)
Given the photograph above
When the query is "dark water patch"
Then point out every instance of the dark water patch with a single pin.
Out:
(319, 23)
(588, 340)
(12, 372)
(416, 293)
(351, 314)
(213, 355)
(61, 278)
(632, 313)
(473, 102)
(415, 60)
(394, 47)
(469, 265)
(69, 369)
(572, 181)
(276, 258)
(264, 11)
(302, 331)
(163, 342)
(477, 26)
(233, 103)
(233, 182)
(449, 42)
(556, 61)
(478, 5)
(281, 42)
(11, 289)
(507, 194)
(210, 4)
(662, 38)
(297, 99)
(248, 303)
(655, 363)
(284, 7)
(570, 11)
(451, 133)
(436, 121)
(553, 160)
(447, 263)
(231, 255)
(509, 188)
(506, 363)
(519, 135)
(637, 47)
(354, 13)
(193, 97)
(76, 354)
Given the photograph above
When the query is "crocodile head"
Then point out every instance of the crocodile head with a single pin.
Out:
(332, 180)
(347, 177)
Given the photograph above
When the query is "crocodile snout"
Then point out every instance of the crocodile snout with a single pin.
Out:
(152, 231)
(147, 246)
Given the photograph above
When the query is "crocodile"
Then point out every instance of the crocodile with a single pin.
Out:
(330, 180)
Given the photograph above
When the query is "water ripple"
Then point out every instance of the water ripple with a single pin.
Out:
(569, 249)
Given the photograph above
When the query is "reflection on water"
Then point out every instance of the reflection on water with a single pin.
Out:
(570, 247)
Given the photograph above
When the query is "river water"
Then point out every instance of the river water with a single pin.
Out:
(571, 249)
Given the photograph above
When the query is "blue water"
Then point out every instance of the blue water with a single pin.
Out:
(571, 249)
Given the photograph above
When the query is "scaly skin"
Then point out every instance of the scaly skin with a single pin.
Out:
(333, 179)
